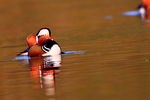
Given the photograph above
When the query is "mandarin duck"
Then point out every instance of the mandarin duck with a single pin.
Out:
(41, 44)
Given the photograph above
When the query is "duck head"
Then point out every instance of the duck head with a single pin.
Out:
(44, 31)
(40, 38)
(43, 36)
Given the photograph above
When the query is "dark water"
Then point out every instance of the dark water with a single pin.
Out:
(115, 66)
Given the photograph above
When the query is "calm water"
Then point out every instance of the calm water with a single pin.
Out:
(115, 66)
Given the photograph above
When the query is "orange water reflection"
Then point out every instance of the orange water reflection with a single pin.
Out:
(43, 70)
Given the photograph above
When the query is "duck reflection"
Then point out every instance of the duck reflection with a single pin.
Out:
(43, 70)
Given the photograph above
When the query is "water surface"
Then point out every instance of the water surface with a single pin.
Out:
(114, 67)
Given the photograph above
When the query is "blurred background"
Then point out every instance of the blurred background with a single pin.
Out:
(115, 66)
